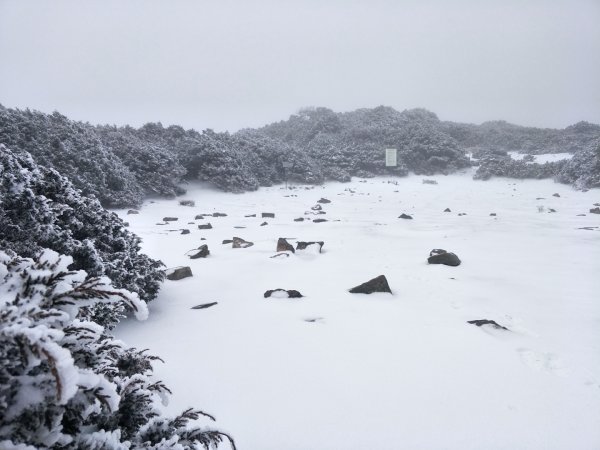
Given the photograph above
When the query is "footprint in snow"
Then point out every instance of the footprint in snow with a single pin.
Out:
(544, 362)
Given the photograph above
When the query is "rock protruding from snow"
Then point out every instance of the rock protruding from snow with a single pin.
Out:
(319, 220)
(482, 322)
(323, 200)
(317, 208)
(218, 214)
(238, 242)
(377, 284)
(199, 217)
(301, 245)
(440, 256)
(170, 219)
(204, 305)
(133, 211)
(178, 273)
(447, 210)
(268, 215)
(185, 231)
(284, 246)
(404, 216)
(595, 210)
(299, 219)
(283, 293)
(205, 226)
(187, 202)
(200, 252)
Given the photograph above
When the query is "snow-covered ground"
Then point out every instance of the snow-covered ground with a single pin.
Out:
(544, 158)
(336, 370)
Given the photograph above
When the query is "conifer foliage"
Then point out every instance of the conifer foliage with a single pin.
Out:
(65, 383)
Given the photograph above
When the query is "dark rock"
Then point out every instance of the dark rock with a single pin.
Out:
(280, 254)
(205, 305)
(227, 241)
(170, 219)
(250, 215)
(317, 208)
(482, 322)
(323, 200)
(492, 214)
(125, 224)
(268, 215)
(200, 252)
(206, 226)
(319, 220)
(264, 223)
(199, 217)
(284, 246)
(551, 210)
(439, 256)
(404, 216)
(185, 231)
(595, 210)
(162, 223)
(556, 194)
(241, 243)
(377, 284)
(218, 214)
(447, 210)
(299, 219)
(191, 223)
(581, 215)
(291, 293)
(540, 198)
(429, 182)
(179, 273)
(133, 211)
(301, 245)
(187, 203)
(462, 214)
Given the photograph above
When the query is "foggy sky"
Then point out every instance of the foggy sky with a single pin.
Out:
(232, 64)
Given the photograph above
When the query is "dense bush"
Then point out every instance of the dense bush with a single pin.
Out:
(65, 383)
(583, 170)
(504, 166)
(39, 208)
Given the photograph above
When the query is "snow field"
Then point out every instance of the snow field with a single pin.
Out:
(335, 370)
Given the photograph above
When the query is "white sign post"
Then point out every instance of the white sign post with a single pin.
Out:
(391, 157)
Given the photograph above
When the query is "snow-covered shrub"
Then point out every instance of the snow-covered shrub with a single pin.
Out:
(65, 383)
(583, 170)
(504, 166)
(39, 208)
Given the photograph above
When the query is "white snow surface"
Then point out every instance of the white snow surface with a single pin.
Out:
(336, 370)
(543, 158)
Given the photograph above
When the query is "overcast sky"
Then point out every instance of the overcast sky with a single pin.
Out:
(227, 65)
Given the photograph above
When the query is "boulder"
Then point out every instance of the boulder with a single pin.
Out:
(200, 252)
(206, 226)
(240, 243)
(319, 220)
(185, 231)
(481, 322)
(268, 215)
(440, 256)
(187, 203)
(284, 246)
(377, 284)
(447, 210)
(133, 211)
(492, 214)
(323, 200)
(218, 214)
(299, 219)
(404, 216)
(556, 194)
(178, 273)
(170, 219)
(283, 293)
(301, 245)
(199, 217)
(595, 210)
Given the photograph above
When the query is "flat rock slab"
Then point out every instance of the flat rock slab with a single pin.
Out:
(170, 219)
(377, 284)
(440, 256)
(187, 203)
(204, 305)
(299, 219)
(218, 214)
(319, 220)
(283, 293)
(595, 210)
(133, 211)
(482, 322)
(178, 273)
(268, 215)
(205, 226)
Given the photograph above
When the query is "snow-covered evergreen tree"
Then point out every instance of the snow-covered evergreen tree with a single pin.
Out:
(65, 383)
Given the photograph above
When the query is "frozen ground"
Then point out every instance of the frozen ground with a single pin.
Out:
(335, 370)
